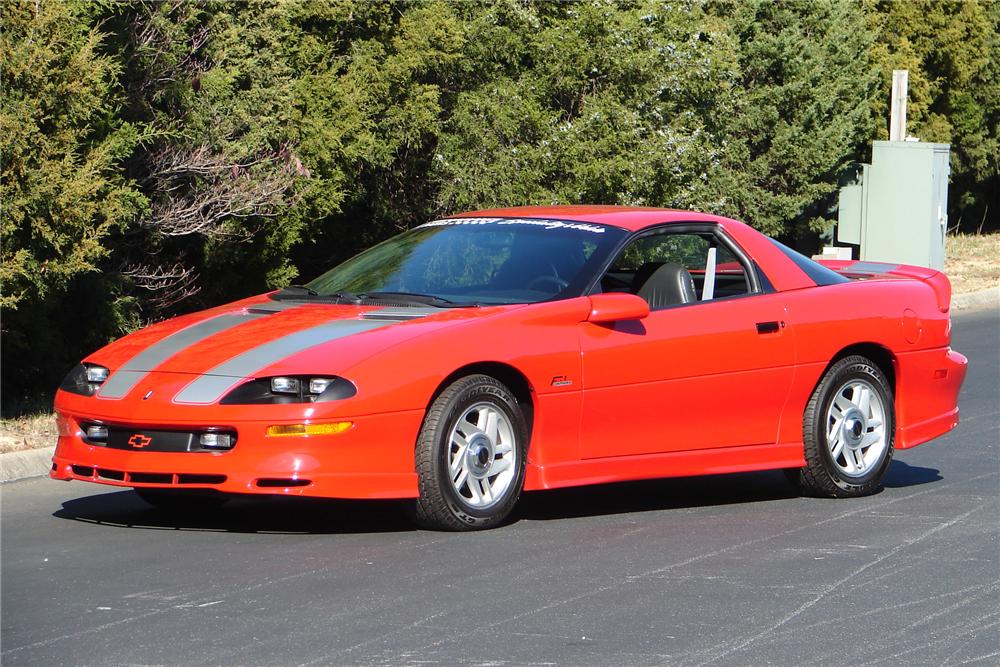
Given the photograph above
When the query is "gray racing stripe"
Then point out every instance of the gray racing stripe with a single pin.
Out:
(131, 373)
(211, 386)
(876, 268)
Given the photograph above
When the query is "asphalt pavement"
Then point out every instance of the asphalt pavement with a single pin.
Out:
(726, 570)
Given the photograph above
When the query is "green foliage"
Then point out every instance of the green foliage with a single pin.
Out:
(62, 192)
(952, 50)
(590, 102)
(801, 110)
(62, 189)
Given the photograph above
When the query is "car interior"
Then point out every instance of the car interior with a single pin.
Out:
(677, 268)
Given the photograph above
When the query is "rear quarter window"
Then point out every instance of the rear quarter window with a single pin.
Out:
(818, 273)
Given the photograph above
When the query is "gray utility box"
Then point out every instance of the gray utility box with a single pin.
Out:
(898, 211)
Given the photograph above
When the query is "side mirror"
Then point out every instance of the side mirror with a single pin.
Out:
(617, 307)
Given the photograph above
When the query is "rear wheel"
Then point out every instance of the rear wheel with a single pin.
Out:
(470, 456)
(848, 430)
(182, 499)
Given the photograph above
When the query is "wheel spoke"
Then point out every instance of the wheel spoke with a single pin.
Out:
(874, 424)
(456, 461)
(499, 466)
(842, 404)
(465, 429)
(859, 459)
(866, 400)
(492, 429)
(832, 434)
(838, 447)
(460, 480)
(477, 492)
(483, 417)
(850, 463)
(870, 439)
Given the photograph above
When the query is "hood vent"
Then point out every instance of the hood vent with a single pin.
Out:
(399, 314)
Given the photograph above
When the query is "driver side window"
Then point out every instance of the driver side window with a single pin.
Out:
(677, 268)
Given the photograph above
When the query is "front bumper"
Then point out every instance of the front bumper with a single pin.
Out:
(373, 459)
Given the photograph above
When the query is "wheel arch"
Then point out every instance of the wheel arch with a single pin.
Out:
(879, 354)
(512, 377)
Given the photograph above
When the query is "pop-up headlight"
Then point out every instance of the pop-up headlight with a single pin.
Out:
(85, 379)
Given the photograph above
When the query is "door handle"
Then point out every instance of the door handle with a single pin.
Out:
(769, 327)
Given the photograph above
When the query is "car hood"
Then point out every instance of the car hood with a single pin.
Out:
(255, 338)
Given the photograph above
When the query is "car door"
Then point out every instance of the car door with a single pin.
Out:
(711, 371)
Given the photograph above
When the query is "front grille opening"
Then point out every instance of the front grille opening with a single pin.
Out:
(116, 475)
(200, 479)
(281, 482)
(151, 477)
(83, 471)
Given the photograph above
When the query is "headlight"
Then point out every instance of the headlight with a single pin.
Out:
(291, 389)
(282, 385)
(85, 379)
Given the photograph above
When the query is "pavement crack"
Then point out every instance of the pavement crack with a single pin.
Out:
(840, 582)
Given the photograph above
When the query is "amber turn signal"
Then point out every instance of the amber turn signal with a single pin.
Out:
(303, 430)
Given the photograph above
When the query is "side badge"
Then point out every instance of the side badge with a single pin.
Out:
(148, 394)
(561, 381)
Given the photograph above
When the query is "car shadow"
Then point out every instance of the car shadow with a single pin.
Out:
(686, 492)
(243, 514)
(655, 495)
(901, 475)
(294, 515)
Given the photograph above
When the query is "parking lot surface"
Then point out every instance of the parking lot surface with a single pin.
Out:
(727, 570)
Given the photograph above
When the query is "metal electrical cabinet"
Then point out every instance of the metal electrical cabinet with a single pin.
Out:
(898, 211)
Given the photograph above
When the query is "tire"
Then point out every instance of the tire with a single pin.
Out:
(848, 430)
(470, 456)
(181, 499)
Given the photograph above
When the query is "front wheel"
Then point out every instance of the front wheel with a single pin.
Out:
(848, 430)
(470, 456)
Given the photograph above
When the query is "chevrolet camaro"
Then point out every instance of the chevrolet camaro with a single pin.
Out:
(478, 356)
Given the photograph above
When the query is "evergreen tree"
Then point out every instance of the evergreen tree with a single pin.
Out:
(952, 52)
(62, 190)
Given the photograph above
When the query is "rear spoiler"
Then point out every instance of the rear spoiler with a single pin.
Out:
(868, 270)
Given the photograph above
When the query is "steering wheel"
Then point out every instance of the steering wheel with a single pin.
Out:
(556, 281)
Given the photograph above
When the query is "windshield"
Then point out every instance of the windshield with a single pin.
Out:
(467, 261)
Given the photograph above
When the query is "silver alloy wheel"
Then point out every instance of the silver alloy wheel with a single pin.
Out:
(482, 455)
(855, 428)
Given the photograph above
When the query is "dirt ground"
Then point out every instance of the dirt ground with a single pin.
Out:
(972, 261)
(28, 432)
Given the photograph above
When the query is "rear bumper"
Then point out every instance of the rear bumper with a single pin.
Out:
(927, 385)
(373, 459)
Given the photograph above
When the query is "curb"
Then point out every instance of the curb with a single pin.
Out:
(28, 463)
(981, 299)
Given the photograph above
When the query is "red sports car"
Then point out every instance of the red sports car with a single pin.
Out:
(477, 356)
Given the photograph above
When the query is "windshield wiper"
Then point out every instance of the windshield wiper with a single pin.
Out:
(296, 290)
(412, 297)
(344, 295)
(306, 292)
